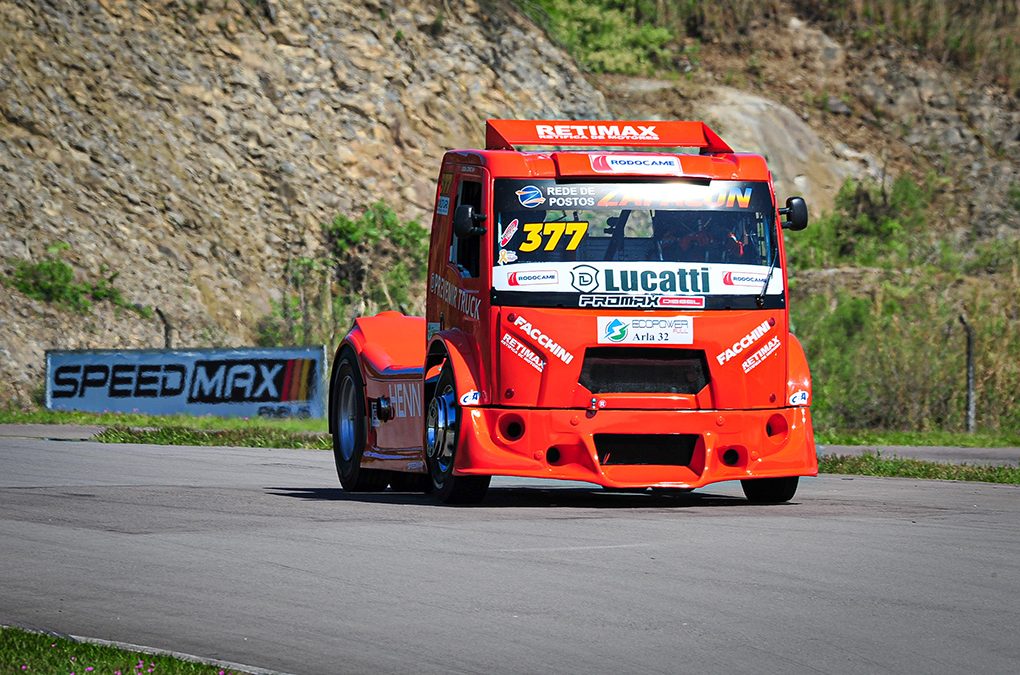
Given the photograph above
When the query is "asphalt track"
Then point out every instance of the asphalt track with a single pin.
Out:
(255, 556)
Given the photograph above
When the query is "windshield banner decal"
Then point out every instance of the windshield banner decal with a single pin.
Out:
(637, 278)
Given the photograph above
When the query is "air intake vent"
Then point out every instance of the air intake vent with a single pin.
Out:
(644, 370)
(668, 449)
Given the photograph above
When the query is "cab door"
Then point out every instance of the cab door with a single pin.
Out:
(461, 267)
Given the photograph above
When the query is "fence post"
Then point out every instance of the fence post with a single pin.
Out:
(971, 409)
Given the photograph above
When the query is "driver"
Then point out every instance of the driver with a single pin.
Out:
(700, 237)
(678, 237)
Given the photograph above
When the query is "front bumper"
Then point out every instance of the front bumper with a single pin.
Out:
(558, 443)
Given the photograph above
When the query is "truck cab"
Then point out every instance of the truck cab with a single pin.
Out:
(615, 316)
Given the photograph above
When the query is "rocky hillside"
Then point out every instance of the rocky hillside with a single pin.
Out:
(194, 147)
(824, 111)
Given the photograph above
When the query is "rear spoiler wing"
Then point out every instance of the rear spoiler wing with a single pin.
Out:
(506, 134)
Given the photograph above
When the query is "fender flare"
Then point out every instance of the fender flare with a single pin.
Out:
(798, 377)
(452, 347)
(382, 344)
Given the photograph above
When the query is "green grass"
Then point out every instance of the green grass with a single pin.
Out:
(208, 423)
(1003, 439)
(250, 438)
(24, 653)
(880, 465)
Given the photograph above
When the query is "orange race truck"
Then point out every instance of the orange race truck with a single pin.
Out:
(617, 317)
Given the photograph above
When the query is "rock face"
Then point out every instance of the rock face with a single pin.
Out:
(799, 159)
(970, 134)
(195, 147)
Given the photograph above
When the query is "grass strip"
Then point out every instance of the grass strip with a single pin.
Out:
(24, 653)
(249, 438)
(209, 422)
(958, 439)
(876, 464)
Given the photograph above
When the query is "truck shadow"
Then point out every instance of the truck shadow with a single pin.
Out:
(525, 497)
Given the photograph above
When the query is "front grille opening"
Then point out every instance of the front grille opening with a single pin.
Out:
(644, 370)
(666, 449)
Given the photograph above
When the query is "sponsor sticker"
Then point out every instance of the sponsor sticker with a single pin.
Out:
(523, 352)
(543, 340)
(746, 341)
(530, 196)
(596, 132)
(799, 397)
(756, 359)
(743, 279)
(652, 165)
(444, 206)
(508, 233)
(665, 330)
(460, 299)
(533, 278)
(506, 257)
(470, 397)
(405, 399)
(609, 301)
(571, 196)
(696, 301)
(586, 279)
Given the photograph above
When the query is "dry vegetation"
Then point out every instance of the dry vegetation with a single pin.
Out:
(980, 38)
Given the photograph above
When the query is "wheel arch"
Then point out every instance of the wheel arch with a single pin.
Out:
(798, 378)
(387, 341)
(450, 347)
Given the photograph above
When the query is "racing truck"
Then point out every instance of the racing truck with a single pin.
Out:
(608, 305)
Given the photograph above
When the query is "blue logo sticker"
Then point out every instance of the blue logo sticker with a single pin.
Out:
(530, 196)
(616, 330)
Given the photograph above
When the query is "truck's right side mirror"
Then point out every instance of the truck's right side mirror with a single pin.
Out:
(465, 221)
(796, 214)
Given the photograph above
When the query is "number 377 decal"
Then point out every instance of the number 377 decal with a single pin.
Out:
(550, 235)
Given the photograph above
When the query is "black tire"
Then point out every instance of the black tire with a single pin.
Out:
(442, 433)
(770, 490)
(350, 428)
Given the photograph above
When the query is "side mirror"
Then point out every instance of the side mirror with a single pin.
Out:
(796, 214)
(465, 221)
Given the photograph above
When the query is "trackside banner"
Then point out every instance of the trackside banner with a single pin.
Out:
(256, 382)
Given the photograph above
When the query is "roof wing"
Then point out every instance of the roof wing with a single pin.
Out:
(506, 134)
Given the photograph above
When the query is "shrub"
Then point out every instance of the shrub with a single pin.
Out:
(52, 280)
(371, 263)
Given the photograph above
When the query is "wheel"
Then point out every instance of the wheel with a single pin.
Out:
(769, 490)
(442, 431)
(350, 425)
(410, 482)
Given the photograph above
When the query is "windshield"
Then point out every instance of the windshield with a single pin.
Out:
(664, 244)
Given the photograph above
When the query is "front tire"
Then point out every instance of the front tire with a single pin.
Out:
(442, 433)
(350, 428)
(770, 490)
